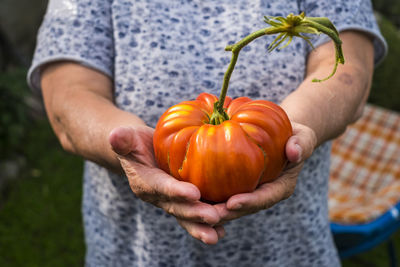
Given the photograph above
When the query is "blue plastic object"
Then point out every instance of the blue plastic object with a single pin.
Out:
(353, 239)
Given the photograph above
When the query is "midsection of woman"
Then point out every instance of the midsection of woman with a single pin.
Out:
(159, 53)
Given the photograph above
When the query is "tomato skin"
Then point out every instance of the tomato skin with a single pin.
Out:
(226, 159)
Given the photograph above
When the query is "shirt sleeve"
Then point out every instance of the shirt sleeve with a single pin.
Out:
(77, 30)
(349, 15)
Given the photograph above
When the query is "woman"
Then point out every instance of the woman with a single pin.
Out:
(115, 66)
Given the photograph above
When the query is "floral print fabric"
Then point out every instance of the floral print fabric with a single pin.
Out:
(160, 53)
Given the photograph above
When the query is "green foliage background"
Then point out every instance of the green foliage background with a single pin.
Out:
(14, 119)
(40, 220)
(386, 83)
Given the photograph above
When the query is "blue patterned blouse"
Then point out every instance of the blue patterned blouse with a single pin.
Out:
(162, 52)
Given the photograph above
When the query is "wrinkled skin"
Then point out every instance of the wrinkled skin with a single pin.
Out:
(203, 221)
(230, 158)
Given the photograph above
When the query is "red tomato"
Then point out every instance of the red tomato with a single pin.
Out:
(226, 159)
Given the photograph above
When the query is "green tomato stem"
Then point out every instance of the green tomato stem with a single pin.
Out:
(289, 27)
(219, 115)
(235, 48)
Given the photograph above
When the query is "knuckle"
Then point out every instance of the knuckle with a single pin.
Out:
(127, 167)
(288, 186)
(170, 209)
(188, 226)
(139, 186)
(142, 190)
(268, 204)
(287, 194)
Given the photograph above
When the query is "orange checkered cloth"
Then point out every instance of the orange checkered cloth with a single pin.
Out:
(365, 168)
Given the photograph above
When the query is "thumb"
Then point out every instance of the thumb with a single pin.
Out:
(301, 144)
(121, 140)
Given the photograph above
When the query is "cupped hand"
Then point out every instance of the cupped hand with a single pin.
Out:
(299, 147)
(134, 149)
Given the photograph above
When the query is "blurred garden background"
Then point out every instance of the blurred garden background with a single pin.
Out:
(41, 185)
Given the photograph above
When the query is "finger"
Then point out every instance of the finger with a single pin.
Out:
(203, 232)
(153, 184)
(294, 150)
(220, 231)
(121, 140)
(300, 146)
(192, 211)
(227, 215)
(266, 195)
(135, 143)
(146, 181)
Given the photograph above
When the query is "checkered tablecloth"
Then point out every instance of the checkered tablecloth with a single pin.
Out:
(365, 168)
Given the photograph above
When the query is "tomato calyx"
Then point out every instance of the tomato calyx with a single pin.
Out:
(219, 114)
(301, 26)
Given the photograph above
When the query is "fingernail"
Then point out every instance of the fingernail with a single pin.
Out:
(203, 238)
(300, 150)
(221, 232)
(238, 206)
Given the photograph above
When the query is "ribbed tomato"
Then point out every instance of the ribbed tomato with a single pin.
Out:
(233, 157)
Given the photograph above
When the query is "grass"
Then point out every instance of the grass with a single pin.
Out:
(40, 219)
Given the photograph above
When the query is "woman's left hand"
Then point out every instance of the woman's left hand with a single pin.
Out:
(299, 147)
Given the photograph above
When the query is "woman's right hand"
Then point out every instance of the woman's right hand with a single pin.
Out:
(134, 149)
